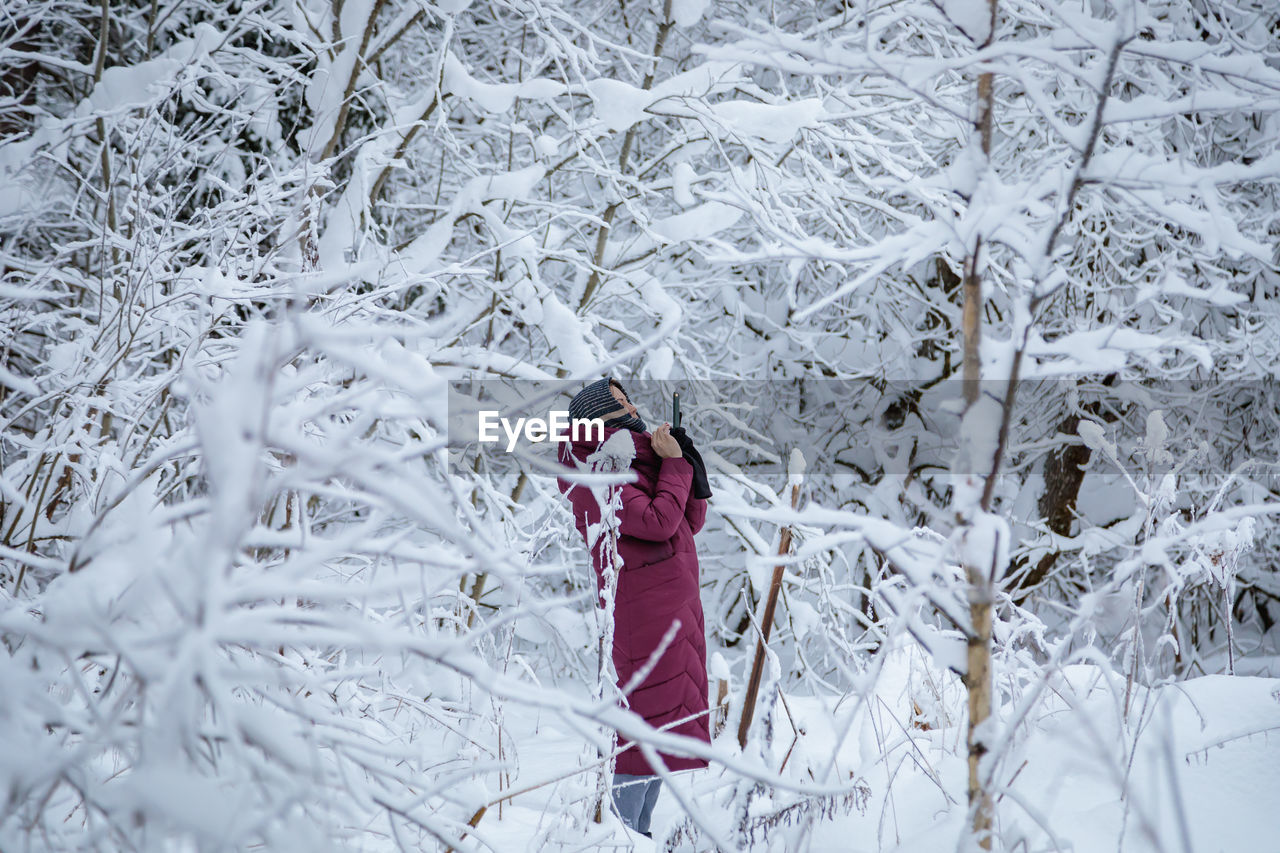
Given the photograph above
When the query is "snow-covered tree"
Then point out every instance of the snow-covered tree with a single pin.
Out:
(246, 249)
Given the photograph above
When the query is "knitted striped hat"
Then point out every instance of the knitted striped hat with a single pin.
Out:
(596, 401)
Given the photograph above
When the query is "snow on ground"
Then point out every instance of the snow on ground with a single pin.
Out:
(1203, 777)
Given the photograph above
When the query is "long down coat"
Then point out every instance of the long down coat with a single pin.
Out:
(657, 584)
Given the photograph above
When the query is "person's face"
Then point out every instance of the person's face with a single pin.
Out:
(625, 407)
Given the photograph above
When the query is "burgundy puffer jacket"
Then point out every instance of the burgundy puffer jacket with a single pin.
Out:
(658, 583)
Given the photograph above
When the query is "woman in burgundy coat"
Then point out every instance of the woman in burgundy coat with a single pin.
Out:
(657, 585)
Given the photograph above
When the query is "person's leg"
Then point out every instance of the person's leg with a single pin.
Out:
(650, 800)
(629, 796)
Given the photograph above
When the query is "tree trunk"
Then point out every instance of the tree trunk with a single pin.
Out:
(977, 678)
(766, 626)
(977, 681)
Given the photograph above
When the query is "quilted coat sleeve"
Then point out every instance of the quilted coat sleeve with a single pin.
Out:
(656, 518)
(695, 512)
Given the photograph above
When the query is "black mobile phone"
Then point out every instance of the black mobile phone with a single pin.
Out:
(675, 409)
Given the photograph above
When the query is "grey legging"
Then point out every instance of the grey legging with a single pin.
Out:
(634, 798)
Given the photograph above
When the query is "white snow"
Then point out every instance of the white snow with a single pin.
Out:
(546, 146)
(705, 220)
(686, 13)
(615, 453)
(795, 467)
(658, 363)
(493, 97)
(682, 178)
(971, 16)
(566, 332)
(618, 104)
(125, 86)
(1092, 434)
(775, 123)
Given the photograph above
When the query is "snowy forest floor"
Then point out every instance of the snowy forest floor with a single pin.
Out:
(1200, 760)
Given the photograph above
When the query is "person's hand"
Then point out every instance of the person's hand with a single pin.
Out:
(663, 443)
